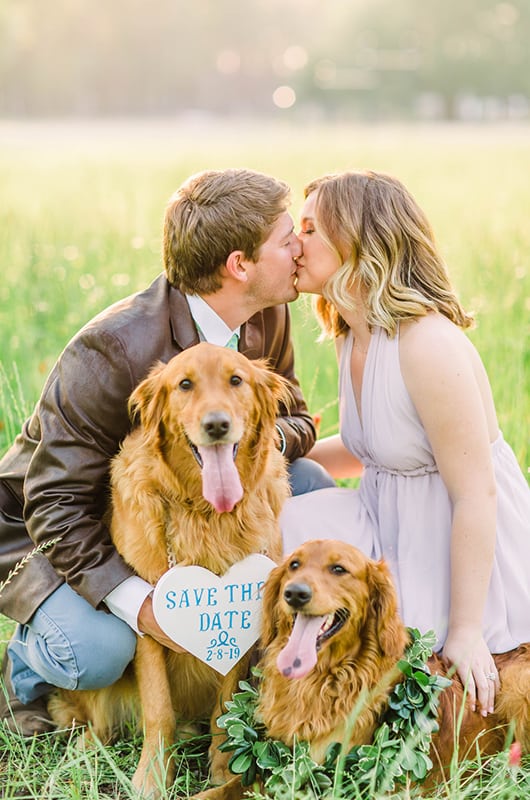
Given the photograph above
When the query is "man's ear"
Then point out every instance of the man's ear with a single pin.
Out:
(236, 266)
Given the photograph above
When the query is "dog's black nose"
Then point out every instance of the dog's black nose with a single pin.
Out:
(216, 424)
(297, 594)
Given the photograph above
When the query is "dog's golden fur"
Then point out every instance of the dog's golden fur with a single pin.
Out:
(361, 658)
(157, 503)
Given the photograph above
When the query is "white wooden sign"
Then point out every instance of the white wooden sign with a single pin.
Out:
(215, 618)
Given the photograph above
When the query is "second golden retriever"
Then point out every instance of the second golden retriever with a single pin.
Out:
(200, 481)
(332, 632)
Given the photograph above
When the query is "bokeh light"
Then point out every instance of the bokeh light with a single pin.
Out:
(284, 97)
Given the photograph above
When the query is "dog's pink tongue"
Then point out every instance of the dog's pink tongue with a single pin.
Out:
(221, 485)
(299, 655)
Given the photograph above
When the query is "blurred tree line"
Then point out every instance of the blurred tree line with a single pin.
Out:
(312, 58)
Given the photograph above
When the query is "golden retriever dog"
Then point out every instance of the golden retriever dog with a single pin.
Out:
(331, 631)
(200, 481)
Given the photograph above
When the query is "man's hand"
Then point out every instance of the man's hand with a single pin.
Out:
(147, 624)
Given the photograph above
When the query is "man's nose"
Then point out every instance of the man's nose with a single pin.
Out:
(297, 246)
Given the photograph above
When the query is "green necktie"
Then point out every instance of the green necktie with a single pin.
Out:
(232, 342)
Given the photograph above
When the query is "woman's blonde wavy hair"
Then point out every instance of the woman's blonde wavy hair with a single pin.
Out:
(386, 247)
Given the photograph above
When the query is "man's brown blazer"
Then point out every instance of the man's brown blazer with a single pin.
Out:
(54, 479)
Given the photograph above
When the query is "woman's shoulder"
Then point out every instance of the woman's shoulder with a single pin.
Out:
(432, 324)
(432, 333)
(433, 346)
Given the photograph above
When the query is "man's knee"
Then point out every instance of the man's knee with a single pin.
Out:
(103, 658)
(69, 644)
(306, 475)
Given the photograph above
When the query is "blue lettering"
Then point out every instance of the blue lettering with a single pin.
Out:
(246, 592)
(198, 593)
(230, 615)
(216, 622)
(245, 619)
(212, 591)
(184, 600)
(231, 587)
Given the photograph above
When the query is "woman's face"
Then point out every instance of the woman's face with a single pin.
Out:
(318, 261)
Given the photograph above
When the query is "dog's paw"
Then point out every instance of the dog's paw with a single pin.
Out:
(152, 777)
(219, 771)
(187, 730)
(231, 790)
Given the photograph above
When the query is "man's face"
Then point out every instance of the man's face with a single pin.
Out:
(272, 277)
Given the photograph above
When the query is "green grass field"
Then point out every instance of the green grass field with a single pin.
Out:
(80, 226)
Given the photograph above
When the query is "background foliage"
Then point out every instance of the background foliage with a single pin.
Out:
(369, 59)
(81, 210)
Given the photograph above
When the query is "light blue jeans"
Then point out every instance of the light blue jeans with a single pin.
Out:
(67, 643)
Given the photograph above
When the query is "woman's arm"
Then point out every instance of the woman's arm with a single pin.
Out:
(330, 451)
(438, 368)
(335, 457)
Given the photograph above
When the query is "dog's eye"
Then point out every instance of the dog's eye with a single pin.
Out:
(235, 380)
(294, 564)
(337, 569)
(186, 385)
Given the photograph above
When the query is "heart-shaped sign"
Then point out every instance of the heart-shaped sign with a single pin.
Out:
(215, 618)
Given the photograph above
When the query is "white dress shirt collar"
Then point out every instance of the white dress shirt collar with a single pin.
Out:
(209, 324)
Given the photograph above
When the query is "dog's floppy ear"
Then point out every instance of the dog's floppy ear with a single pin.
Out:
(390, 630)
(148, 400)
(271, 390)
(270, 615)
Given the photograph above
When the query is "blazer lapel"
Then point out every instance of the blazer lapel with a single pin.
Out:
(183, 329)
(252, 337)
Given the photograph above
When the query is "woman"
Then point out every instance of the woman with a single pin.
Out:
(441, 497)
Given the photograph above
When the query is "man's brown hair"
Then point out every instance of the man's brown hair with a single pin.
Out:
(212, 214)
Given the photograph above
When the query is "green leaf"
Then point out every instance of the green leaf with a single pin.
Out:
(249, 734)
(241, 763)
(423, 678)
(235, 729)
(268, 755)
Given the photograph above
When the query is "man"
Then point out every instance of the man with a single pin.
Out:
(230, 262)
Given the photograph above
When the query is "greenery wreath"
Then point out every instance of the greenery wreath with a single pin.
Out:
(400, 748)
